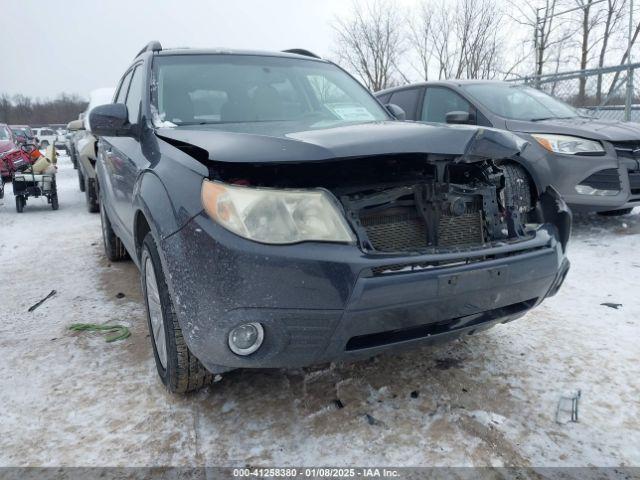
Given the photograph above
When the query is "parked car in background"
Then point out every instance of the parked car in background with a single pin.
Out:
(594, 164)
(45, 136)
(282, 217)
(23, 134)
(7, 146)
(61, 139)
(86, 148)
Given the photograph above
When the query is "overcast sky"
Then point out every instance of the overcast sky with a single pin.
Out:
(75, 46)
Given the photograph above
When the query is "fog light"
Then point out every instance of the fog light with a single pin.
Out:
(587, 190)
(246, 339)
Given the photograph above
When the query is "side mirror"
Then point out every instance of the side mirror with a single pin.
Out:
(397, 112)
(458, 117)
(111, 120)
(75, 125)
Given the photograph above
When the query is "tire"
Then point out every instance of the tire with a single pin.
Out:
(517, 189)
(1, 188)
(92, 196)
(81, 183)
(20, 203)
(616, 213)
(179, 370)
(54, 202)
(113, 246)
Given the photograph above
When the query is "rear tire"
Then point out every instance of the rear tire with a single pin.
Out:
(81, 183)
(616, 213)
(179, 370)
(92, 196)
(113, 246)
(54, 202)
(20, 202)
(517, 188)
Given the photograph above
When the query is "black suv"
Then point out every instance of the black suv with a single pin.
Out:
(281, 217)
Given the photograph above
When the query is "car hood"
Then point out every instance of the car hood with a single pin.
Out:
(280, 142)
(597, 129)
(6, 145)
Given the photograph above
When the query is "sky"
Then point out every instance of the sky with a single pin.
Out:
(76, 46)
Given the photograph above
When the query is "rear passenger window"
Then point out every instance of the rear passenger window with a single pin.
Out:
(407, 100)
(438, 101)
(134, 97)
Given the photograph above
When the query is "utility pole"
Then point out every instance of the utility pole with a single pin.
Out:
(629, 99)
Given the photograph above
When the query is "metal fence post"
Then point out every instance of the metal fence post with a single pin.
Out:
(629, 98)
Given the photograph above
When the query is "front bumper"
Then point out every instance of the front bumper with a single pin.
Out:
(325, 302)
(608, 171)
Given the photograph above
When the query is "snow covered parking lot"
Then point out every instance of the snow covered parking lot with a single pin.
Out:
(72, 399)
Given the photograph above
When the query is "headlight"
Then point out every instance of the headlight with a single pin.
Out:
(568, 145)
(276, 216)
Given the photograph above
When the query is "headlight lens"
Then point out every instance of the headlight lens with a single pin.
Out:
(276, 216)
(568, 145)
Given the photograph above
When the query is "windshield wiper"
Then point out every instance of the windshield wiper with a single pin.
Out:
(549, 118)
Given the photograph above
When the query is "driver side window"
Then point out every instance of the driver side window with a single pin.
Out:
(438, 101)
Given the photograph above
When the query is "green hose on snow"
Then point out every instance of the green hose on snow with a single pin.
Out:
(120, 332)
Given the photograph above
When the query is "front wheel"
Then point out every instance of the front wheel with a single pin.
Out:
(517, 189)
(179, 370)
(20, 203)
(54, 202)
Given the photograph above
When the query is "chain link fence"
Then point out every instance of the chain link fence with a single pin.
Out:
(601, 92)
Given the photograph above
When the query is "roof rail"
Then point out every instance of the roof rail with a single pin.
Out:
(301, 51)
(153, 46)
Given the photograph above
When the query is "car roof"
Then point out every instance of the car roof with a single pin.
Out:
(441, 83)
(229, 51)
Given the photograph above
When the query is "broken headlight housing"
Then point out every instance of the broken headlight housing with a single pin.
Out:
(569, 145)
(276, 216)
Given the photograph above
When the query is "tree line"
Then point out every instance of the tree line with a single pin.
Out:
(24, 110)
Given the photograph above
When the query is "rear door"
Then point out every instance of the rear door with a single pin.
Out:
(124, 156)
(110, 169)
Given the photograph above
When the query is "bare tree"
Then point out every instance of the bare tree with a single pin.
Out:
(21, 109)
(550, 33)
(614, 13)
(420, 37)
(370, 41)
(459, 38)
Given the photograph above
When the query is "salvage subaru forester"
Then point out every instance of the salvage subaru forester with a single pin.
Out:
(282, 217)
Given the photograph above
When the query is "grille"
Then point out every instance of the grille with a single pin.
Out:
(627, 149)
(603, 180)
(396, 230)
(634, 182)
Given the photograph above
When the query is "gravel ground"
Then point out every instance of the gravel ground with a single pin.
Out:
(70, 399)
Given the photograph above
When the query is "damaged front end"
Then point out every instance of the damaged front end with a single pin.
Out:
(413, 204)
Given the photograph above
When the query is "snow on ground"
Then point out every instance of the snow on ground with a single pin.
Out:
(71, 399)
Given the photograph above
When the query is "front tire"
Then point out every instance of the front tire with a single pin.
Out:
(517, 189)
(179, 370)
(113, 246)
(81, 183)
(20, 202)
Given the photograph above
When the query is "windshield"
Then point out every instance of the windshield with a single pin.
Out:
(22, 131)
(202, 89)
(519, 102)
(4, 133)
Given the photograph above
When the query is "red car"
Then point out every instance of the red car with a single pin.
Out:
(11, 156)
